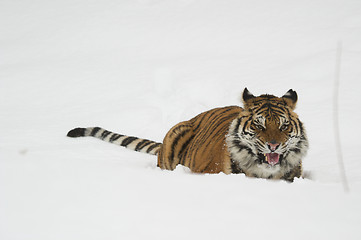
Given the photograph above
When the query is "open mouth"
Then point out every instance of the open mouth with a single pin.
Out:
(271, 158)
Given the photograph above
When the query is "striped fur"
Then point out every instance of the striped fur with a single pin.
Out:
(229, 139)
(132, 143)
(200, 142)
(265, 120)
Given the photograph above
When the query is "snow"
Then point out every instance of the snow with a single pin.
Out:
(140, 67)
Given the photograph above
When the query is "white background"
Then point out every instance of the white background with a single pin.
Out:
(140, 67)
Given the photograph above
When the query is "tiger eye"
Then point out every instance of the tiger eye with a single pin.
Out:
(260, 127)
(284, 127)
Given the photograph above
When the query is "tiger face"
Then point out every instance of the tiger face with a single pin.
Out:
(267, 140)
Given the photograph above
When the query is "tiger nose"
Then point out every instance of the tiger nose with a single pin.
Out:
(273, 145)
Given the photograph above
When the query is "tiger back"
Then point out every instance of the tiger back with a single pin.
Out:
(200, 142)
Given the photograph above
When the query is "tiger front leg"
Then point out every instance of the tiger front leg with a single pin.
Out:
(294, 173)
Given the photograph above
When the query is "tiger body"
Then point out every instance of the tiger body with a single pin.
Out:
(265, 139)
(182, 143)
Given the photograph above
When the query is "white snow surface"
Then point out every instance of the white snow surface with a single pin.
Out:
(138, 67)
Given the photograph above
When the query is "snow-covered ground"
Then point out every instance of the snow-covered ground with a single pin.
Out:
(140, 67)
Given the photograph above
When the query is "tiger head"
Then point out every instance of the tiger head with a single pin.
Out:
(267, 140)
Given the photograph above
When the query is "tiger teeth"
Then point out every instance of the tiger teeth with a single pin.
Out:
(265, 156)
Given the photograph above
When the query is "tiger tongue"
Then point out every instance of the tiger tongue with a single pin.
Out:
(272, 158)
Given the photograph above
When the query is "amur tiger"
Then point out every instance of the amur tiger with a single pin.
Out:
(265, 139)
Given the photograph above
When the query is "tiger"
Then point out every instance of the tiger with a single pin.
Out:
(264, 139)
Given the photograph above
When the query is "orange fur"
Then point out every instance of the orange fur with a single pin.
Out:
(202, 145)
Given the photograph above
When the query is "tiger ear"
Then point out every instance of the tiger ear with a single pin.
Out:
(290, 98)
(247, 95)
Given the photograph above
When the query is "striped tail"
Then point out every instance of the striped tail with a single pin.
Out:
(133, 143)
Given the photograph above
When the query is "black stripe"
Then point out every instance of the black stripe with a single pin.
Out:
(183, 148)
(219, 112)
(115, 137)
(293, 121)
(127, 141)
(217, 138)
(241, 147)
(235, 167)
(152, 147)
(245, 124)
(105, 134)
(264, 111)
(295, 126)
(277, 112)
(214, 123)
(200, 121)
(220, 121)
(262, 107)
(237, 125)
(175, 142)
(142, 144)
(280, 107)
(217, 120)
(301, 126)
(175, 130)
(270, 107)
(95, 131)
(212, 128)
(295, 150)
(236, 130)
